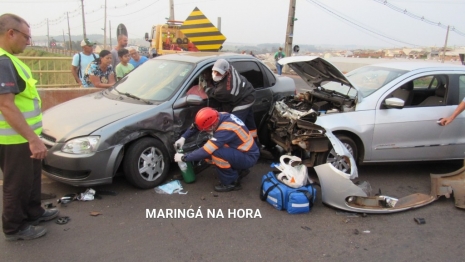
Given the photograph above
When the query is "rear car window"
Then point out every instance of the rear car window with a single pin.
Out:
(251, 71)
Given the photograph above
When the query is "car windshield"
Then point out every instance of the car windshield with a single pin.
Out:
(366, 79)
(155, 80)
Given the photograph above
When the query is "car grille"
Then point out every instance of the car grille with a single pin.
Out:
(71, 174)
(48, 138)
(49, 141)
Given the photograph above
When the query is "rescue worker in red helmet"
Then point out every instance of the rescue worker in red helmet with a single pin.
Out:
(231, 148)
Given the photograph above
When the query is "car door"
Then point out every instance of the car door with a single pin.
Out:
(253, 71)
(412, 132)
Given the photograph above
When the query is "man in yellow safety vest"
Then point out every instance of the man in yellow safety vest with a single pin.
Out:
(21, 149)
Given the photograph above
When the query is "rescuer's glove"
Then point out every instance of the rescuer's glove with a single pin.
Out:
(179, 143)
(179, 157)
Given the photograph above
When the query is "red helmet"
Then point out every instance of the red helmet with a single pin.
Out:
(206, 118)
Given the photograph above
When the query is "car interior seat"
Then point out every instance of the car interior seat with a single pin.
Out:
(405, 92)
(438, 99)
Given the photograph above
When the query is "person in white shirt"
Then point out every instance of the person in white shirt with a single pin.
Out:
(81, 60)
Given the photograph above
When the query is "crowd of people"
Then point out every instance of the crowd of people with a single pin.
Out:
(106, 68)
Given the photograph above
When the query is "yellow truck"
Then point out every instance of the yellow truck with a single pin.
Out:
(194, 34)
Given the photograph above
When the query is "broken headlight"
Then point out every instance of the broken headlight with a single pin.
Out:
(81, 145)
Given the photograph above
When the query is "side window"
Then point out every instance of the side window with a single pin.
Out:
(200, 82)
(425, 82)
(251, 71)
(424, 91)
(461, 88)
(431, 90)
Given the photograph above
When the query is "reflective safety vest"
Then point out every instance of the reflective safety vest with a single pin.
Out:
(28, 102)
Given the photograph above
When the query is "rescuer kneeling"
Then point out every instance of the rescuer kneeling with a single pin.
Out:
(231, 148)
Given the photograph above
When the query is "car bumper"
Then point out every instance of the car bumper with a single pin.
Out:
(82, 170)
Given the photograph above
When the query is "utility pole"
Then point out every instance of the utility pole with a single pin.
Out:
(63, 38)
(109, 25)
(445, 46)
(171, 10)
(69, 32)
(48, 37)
(289, 32)
(105, 28)
(83, 20)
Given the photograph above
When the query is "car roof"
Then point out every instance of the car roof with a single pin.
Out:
(196, 57)
(411, 66)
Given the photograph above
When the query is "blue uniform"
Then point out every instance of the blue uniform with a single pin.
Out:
(231, 148)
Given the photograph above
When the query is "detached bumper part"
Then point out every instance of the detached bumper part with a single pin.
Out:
(446, 184)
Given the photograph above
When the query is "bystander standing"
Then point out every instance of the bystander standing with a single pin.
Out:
(21, 149)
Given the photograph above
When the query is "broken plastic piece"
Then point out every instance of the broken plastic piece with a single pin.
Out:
(87, 195)
(62, 220)
(67, 198)
(420, 220)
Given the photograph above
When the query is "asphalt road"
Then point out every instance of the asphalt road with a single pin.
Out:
(122, 232)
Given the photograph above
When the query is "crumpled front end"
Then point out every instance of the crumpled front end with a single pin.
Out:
(292, 127)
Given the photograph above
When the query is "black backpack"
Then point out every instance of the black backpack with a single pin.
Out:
(79, 64)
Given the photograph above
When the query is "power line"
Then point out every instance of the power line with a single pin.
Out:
(136, 11)
(421, 18)
(78, 11)
(329, 10)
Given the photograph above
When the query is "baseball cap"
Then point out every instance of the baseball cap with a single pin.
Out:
(221, 66)
(87, 42)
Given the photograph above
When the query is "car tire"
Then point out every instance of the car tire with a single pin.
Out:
(146, 163)
(338, 162)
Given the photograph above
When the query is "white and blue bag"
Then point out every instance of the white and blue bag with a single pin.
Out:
(282, 197)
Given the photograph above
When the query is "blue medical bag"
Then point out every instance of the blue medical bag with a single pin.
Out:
(282, 197)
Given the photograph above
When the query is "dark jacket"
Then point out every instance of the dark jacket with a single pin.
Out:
(233, 91)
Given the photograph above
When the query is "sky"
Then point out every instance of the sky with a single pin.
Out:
(319, 22)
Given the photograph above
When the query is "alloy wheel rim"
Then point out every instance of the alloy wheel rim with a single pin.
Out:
(340, 162)
(151, 164)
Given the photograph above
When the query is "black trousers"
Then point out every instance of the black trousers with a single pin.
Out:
(21, 187)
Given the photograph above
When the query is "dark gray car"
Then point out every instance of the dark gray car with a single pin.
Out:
(132, 126)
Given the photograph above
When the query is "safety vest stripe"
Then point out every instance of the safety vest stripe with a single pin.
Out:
(28, 114)
(253, 132)
(210, 147)
(221, 163)
(24, 71)
(246, 146)
(11, 131)
(236, 129)
(237, 108)
(245, 137)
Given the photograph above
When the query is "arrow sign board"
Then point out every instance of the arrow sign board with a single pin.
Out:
(201, 32)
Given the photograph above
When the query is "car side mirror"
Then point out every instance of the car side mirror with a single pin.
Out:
(394, 102)
(190, 100)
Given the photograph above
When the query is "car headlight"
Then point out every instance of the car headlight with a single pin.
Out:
(81, 145)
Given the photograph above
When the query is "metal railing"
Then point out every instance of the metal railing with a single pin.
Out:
(51, 71)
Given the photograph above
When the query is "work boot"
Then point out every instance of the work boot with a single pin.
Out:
(48, 215)
(30, 232)
(226, 188)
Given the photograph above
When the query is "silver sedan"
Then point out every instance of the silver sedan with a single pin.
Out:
(384, 112)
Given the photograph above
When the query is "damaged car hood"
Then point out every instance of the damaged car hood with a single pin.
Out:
(315, 70)
(86, 114)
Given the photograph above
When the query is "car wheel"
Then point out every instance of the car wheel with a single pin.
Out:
(341, 163)
(146, 163)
